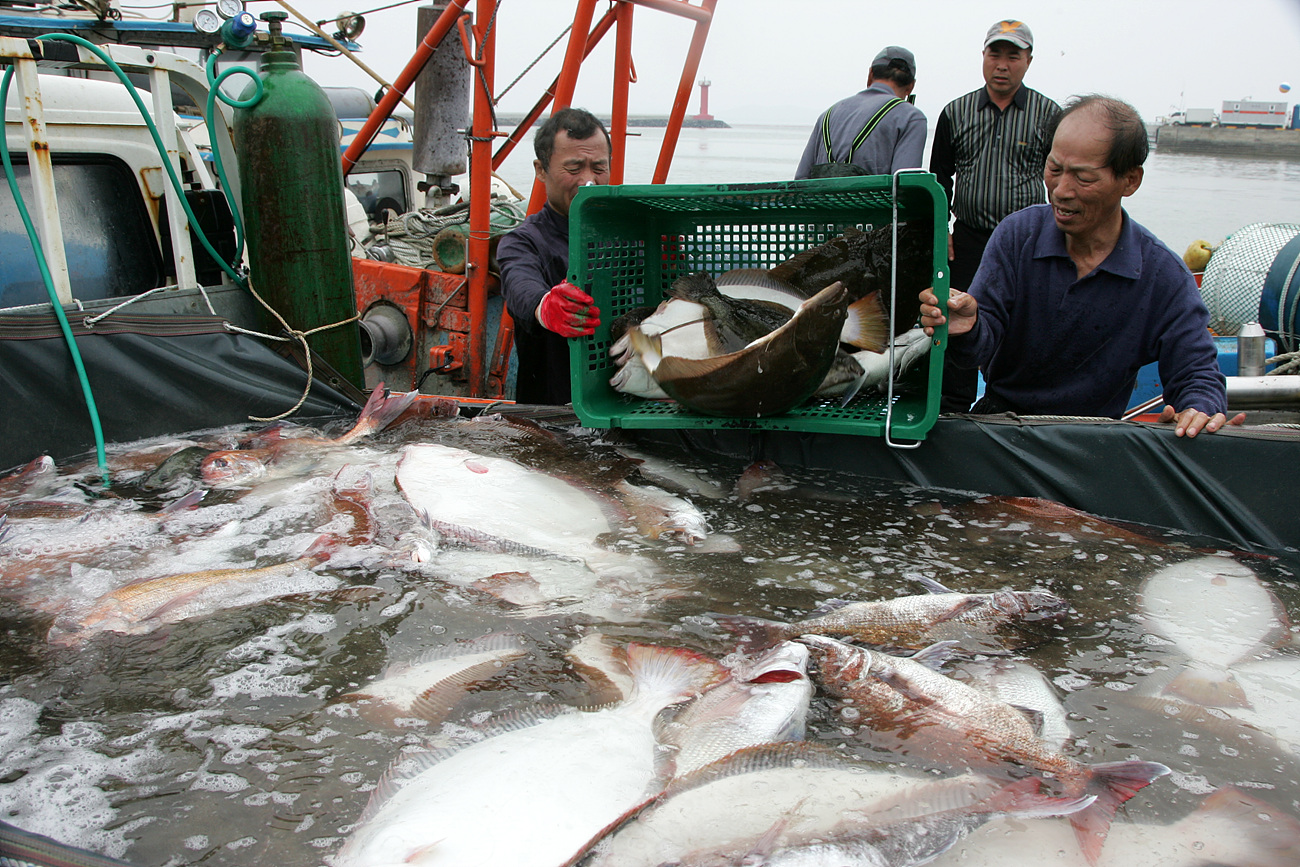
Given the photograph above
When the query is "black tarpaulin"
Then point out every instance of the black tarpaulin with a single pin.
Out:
(1237, 485)
(150, 375)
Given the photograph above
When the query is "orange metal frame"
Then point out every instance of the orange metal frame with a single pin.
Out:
(583, 38)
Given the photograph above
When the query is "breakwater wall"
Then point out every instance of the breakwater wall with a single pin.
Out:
(1230, 141)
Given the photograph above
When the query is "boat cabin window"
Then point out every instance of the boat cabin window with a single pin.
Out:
(107, 232)
(380, 191)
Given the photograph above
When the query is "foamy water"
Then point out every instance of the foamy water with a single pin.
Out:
(220, 738)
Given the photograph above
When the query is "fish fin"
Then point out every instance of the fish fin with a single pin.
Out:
(320, 549)
(378, 416)
(1208, 688)
(647, 347)
(1238, 829)
(866, 324)
(754, 633)
(936, 655)
(672, 368)
(602, 664)
(790, 754)
(670, 674)
(189, 501)
(1034, 715)
(593, 846)
(713, 338)
(931, 585)
(970, 603)
(436, 702)
(1113, 783)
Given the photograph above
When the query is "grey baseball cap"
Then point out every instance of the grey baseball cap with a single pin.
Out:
(1015, 32)
(895, 52)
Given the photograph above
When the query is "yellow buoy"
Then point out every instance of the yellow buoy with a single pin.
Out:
(1198, 255)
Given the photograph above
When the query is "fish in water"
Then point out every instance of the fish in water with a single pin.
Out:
(863, 261)
(529, 794)
(1229, 828)
(987, 622)
(765, 700)
(1218, 614)
(910, 707)
(22, 481)
(179, 466)
(770, 376)
(429, 686)
(781, 803)
(145, 605)
(242, 466)
(1023, 687)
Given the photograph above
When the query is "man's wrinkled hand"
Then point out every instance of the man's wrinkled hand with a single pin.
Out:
(568, 311)
(1190, 422)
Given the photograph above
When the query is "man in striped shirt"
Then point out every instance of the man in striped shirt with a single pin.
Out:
(995, 141)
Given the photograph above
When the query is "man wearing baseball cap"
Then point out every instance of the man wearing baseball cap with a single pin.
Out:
(989, 150)
(873, 132)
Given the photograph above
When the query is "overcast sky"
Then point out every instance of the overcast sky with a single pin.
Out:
(784, 62)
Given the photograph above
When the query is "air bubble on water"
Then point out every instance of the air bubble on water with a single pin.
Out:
(198, 841)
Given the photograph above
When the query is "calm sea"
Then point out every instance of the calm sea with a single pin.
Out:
(1183, 197)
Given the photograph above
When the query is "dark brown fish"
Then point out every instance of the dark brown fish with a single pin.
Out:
(771, 375)
(861, 261)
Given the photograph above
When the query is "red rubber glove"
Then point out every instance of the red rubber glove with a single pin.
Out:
(568, 311)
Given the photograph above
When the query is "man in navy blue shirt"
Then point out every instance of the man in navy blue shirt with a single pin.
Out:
(573, 150)
(1073, 297)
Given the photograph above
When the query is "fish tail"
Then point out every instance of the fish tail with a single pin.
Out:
(866, 325)
(1243, 831)
(665, 675)
(1113, 783)
(320, 550)
(379, 412)
(754, 633)
(1209, 688)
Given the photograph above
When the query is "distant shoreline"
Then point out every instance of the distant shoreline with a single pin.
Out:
(645, 120)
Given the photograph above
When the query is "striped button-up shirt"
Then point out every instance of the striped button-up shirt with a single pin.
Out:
(997, 156)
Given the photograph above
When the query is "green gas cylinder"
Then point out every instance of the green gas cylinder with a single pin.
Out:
(291, 178)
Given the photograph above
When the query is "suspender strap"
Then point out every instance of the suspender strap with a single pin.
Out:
(862, 136)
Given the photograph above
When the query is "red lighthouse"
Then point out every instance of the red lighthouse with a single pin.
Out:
(704, 101)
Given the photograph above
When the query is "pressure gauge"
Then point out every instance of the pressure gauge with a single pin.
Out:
(207, 22)
(229, 8)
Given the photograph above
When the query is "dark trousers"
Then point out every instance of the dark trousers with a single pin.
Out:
(960, 385)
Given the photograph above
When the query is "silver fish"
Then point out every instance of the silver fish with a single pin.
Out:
(529, 794)
(764, 701)
(429, 686)
(776, 804)
(1229, 828)
(1218, 614)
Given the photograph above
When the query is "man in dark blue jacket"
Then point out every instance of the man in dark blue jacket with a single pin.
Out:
(573, 149)
(1073, 297)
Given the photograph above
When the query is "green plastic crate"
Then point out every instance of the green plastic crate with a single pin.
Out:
(628, 243)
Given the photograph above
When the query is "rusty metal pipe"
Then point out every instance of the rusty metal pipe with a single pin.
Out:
(480, 197)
